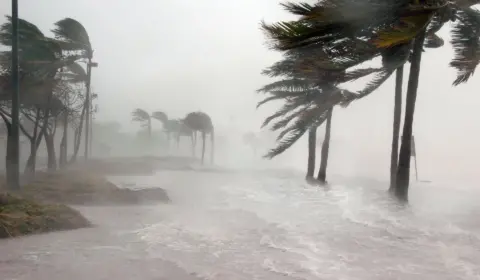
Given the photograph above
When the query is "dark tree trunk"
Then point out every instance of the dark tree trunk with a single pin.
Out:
(150, 129)
(322, 172)
(78, 136)
(64, 142)
(312, 149)
(403, 171)
(212, 148)
(62, 157)
(192, 137)
(10, 166)
(31, 164)
(52, 158)
(397, 116)
(29, 170)
(203, 145)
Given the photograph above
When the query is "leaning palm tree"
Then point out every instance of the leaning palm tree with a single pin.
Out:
(40, 59)
(160, 116)
(300, 95)
(309, 79)
(74, 37)
(383, 25)
(201, 122)
(143, 117)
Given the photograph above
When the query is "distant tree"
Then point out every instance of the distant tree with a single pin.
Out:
(143, 117)
(201, 122)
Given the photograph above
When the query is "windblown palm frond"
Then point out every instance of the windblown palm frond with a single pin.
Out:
(287, 85)
(466, 44)
(74, 73)
(73, 35)
(160, 116)
(140, 115)
(305, 119)
(383, 22)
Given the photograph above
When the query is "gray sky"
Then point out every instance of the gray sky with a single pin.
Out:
(179, 56)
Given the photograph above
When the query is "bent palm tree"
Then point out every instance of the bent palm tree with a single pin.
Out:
(200, 121)
(300, 96)
(74, 37)
(382, 26)
(143, 117)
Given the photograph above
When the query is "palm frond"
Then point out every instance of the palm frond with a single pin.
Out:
(375, 83)
(286, 108)
(74, 35)
(466, 44)
(288, 118)
(140, 115)
(160, 116)
(309, 118)
(294, 84)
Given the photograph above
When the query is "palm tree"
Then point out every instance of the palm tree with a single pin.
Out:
(380, 27)
(72, 74)
(74, 37)
(303, 94)
(201, 122)
(143, 117)
(160, 116)
(397, 114)
(312, 151)
(40, 58)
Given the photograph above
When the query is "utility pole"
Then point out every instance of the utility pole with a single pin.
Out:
(88, 103)
(14, 176)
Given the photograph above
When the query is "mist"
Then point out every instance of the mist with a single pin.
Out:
(180, 57)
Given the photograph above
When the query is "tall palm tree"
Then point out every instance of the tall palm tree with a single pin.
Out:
(74, 37)
(143, 117)
(397, 114)
(299, 91)
(40, 58)
(312, 151)
(160, 116)
(201, 122)
(382, 26)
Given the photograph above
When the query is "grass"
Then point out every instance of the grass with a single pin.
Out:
(77, 187)
(20, 216)
(41, 206)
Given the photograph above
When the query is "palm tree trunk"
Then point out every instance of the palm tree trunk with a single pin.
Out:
(203, 145)
(397, 115)
(322, 172)
(312, 147)
(78, 136)
(212, 148)
(52, 158)
(403, 172)
(64, 142)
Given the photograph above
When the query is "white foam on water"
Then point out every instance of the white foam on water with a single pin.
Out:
(249, 225)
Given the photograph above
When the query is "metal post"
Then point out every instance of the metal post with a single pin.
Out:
(14, 180)
(87, 113)
(91, 129)
(88, 103)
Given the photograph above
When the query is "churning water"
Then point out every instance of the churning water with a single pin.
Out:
(262, 225)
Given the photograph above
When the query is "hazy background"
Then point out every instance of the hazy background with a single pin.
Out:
(180, 56)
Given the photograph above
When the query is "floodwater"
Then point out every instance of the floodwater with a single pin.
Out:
(262, 225)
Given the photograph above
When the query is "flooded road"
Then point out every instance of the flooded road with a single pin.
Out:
(261, 225)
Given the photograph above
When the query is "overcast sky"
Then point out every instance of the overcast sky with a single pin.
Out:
(180, 56)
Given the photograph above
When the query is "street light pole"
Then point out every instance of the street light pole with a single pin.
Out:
(14, 176)
(88, 103)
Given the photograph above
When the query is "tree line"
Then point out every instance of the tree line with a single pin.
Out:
(193, 123)
(327, 46)
(54, 89)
